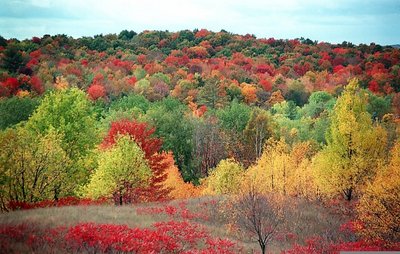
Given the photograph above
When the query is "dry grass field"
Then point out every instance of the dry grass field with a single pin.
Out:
(305, 219)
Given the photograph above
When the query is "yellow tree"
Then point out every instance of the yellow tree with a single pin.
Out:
(32, 167)
(379, 207)
(270, 172)
(226, 178)
(355, 146)
(284, 170)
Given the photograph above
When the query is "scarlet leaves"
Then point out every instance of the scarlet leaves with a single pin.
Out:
(162, 237)
(96, 91)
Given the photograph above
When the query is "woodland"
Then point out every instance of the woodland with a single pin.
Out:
(198, 142)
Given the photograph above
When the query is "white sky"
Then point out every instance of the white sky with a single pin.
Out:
(357, 21)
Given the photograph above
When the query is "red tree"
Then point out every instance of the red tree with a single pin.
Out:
(96, 91)
(142, 135)
(9, 87)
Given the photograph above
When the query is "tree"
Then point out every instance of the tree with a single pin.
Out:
(96, 91)
(32, 167)
(143, 136)
(126, 35)
(270, 173)
(249, 93)
(379, 207)
(179, 188)
(355, 146)
(131, 101)
(378, 106)
(208, 146)
(174, 128)
(212, 94)
(15, 110)
(258, 214)
(318, 102)
(226, 178)
(13, 58)
(69, 113)
(122, 168)
(257, 131)
(297, 93)
(233, 120)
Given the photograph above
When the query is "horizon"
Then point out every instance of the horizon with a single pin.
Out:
(357, 21)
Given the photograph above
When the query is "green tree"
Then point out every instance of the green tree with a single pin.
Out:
(13, 58)
(126, 35)
(297, 93)
(15, 110)
(318, 102)
(131, 101)
(378, 106)
(176, 131)
(234, 117)
(120, 169)
(233, 120)
(355, 146)
(69, 113)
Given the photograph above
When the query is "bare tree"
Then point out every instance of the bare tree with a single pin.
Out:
(258, 214)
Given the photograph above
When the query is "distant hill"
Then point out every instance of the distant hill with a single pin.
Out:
(397, 46)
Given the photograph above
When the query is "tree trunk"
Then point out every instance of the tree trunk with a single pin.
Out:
(348, 194)
(120, 197)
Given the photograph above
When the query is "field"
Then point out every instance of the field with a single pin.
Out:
(305, 220)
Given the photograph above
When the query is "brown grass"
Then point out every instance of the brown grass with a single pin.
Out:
(305, 219)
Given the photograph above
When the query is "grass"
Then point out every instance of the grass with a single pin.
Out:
(305, 219)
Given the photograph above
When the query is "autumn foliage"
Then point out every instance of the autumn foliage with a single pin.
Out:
(160, 115)
(142, 135)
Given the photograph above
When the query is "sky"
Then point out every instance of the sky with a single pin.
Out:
(334, 21)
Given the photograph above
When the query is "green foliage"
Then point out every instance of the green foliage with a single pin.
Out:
(306, 123)
(286, 109)
(318, 102)
(120, 168)
(161, 76)
(176, 131)
(70, 114)
(234, 117)
(130, 102)
(32, 167)
(15, 110)
(13, 58)
(226, 178)
(297, 93)
(378, 106)
(139, 73)
(126, 35)
(142, 86)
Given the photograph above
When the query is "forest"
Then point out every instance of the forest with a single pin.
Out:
(263, 135)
